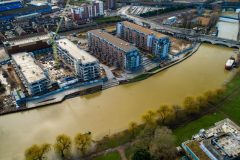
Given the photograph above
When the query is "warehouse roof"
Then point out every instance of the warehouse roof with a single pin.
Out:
(114, 40)
(31, 71)
(25, 10)
(143, 29)
(10, 1)
(27, 40)
(76, 52)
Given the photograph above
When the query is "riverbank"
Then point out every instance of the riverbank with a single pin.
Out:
(109, 112)
(226, 106)
(58, 97)
(159, 69)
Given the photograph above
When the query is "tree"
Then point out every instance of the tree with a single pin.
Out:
(141, 154)
(132, 128)
(83, 142)
(63, 146)
(201, 101)
(178, 111)
(190, 105)
(36, 152)
(219, 91)
(163, 112)
(162, 146)
(144, 137)
(209, 95)
(149, 117)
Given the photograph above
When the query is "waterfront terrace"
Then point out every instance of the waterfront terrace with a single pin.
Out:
(146, 39)
(113, 51)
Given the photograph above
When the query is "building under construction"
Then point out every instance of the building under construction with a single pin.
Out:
(146, 39)
(113, 51)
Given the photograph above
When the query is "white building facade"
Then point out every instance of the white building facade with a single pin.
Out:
(85, 66)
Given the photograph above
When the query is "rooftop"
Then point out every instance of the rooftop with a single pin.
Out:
(143, 29)
(76, 52)
(218, 142)
(195, 147)
(25, 10)
(10, 1)
(28, 40)
(31, 71)
(114, 40)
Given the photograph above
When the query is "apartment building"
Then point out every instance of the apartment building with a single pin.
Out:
(85, 66)
(113, 51)
(110, 4)
(33, 77)
(146, 39)
(87, 11)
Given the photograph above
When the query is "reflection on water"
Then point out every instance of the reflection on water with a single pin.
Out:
(111, 110)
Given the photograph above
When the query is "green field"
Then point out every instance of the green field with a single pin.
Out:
(229, 108)
(109, 156)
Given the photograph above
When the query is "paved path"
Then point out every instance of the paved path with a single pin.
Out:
(119, 149)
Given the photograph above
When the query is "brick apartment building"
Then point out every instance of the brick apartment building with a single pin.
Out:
(146, 39)
(114, 51)
(87, 11)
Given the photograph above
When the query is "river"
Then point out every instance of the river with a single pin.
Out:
(111, 110)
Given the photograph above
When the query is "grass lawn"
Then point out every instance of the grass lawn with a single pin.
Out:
(228, 109)
(109, 156)
(184, 133)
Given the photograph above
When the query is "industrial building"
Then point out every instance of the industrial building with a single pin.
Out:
(27, 9)
(114, 51)
(10, 5)
(87, 11)
(33, 77)
(220, 142)
(146, 39)
(85, 66)
(36, 43)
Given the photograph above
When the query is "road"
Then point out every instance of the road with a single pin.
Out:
(178, 32)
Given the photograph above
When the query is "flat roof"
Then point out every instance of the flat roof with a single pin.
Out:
(195, 147)
(25, 10)
(31, 71)
(76, 52)
(28, 40)
(114, 40)
(10, 1)
(143, 29)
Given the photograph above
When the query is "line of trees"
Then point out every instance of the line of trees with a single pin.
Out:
(151, 140)
(63, 147)
(154, 142)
